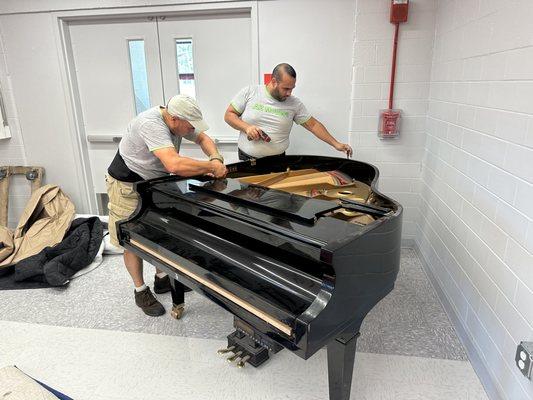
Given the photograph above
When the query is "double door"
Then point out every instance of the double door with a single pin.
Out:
(123, 67)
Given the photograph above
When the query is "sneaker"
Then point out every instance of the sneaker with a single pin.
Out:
(148, 303)
(161, 285)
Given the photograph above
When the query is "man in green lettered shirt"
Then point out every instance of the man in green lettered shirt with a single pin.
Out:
(264, 115)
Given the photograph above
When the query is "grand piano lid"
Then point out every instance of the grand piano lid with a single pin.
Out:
(274, 202)
(324, 232)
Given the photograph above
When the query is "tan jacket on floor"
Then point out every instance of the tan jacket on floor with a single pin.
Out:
(6, 243)
(43, 223)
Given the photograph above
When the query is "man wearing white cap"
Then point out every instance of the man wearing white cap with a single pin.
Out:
(150, 149)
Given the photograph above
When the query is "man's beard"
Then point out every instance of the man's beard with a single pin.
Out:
(277, 96)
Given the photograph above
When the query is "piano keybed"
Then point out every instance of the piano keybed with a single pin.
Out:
(267, 287)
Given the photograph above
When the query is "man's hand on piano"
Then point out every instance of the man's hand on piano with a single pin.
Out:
(253, 132)
(219, 169)
(345, 148)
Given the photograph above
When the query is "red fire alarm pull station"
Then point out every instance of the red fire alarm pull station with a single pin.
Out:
(389, 123)
(389, 119)
(398, 11)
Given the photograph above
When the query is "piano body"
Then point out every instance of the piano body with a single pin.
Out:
(298, 248)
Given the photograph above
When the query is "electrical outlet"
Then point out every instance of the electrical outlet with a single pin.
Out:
(524, 358)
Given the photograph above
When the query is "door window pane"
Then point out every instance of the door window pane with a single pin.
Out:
(139, 75)
(185, 67)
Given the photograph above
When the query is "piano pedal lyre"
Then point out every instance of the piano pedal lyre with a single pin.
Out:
(250, 346)
(177, 311)
(226, 350)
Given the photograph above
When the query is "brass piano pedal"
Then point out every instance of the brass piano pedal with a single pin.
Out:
(177, 311)
(227, 350)
(234, 357)
(242, 363)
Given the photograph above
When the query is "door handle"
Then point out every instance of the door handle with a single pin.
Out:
(104, 138)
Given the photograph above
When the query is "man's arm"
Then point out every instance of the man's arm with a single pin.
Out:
(208, 146)
(233, 119)
(316, 128)
(185, 166)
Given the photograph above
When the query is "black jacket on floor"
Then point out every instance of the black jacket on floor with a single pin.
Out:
(56, 265)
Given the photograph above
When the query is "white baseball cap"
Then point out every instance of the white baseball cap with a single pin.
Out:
(185, 107)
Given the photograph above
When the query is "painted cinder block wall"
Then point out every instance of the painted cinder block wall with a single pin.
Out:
(399, 160)
(476, 229)
(463, 166)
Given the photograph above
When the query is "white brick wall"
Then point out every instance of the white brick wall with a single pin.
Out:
(471, 213)
(398, 160)
(12, 149)
(476, 205)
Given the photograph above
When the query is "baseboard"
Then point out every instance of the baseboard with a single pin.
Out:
(475, 359)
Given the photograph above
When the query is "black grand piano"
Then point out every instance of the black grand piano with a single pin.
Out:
(298, 248)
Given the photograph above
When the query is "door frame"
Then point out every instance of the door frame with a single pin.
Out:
(62, 20)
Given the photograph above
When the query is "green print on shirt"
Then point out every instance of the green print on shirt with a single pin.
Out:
(270, 110)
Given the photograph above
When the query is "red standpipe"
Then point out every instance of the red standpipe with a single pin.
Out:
(393, 69)
(389, 119)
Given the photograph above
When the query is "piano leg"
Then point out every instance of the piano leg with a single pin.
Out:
(341, 357)
(178, 298)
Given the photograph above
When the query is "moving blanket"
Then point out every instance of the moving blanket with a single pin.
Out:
(44, 221)
(56, 265)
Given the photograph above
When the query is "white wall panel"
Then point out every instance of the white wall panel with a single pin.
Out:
(12, 149)
(321, 53)
(49, 141)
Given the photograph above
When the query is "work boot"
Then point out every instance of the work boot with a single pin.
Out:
(148, 303)
(161, 285)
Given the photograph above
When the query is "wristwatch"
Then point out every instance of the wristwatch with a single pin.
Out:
(216, 156)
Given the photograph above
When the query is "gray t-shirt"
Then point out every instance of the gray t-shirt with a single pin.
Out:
(146, 133)
(275, 118)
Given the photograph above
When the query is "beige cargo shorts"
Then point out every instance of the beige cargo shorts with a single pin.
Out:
(123, 201)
